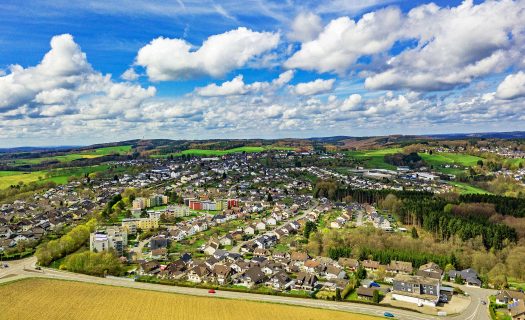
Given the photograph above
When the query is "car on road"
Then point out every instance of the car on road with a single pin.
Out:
(483, 302)
(388, 315)
(38, 268)
(6, 265)
(211, 291)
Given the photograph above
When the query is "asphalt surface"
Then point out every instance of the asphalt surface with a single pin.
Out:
(25, 268)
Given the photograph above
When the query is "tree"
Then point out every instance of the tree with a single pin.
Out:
(338, 294)
(361, 273)
(269, 197)
(376, 297)
(308, 228)
(480, 163)
(458, 279)
(415, 235)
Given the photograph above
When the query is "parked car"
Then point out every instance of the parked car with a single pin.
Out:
(388, 315)
(211, 291)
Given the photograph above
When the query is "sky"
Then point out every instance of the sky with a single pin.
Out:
(84, 72)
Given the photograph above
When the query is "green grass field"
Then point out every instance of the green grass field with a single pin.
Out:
(440, 159)
(465, 188)
(87, 154)
(59, 176)
(219, 153)
(374, 158)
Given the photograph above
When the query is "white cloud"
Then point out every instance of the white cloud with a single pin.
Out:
(305, 27)
(343, 41)
(236, 86)
(130, 75)
(455, 45)
(172, 59)
(513, 86)
(65, 83)
(351, 103)
(447, 46)
(313, 87)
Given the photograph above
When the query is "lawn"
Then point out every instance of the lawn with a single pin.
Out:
(374, 158)
(54, 299)
(465, 188)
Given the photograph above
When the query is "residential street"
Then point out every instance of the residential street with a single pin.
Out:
(25, 269)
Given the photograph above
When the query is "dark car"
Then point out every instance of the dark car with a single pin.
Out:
(388, 315)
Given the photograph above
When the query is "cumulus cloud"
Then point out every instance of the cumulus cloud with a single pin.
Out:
(513, 86)
(175, 59)
(236, 86)
(305, 27)
(447, 46)
(64, 83)
(313, 87)
(344, 40)
(130, 75)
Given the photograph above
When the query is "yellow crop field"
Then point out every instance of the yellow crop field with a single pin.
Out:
(54, 299)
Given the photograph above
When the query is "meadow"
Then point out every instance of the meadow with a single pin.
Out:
(375, 158)
(87, 154)
(59, 176)
(220, 153)
(55, 299)
(443, 158)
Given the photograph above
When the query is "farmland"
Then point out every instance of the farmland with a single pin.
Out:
(75, 300)
(219, 153)
(59, 176)
(438, 160)
(374, 158)
(87, 154)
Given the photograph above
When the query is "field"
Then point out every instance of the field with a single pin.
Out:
(87, 154)
(54, 299)
(59, 176)
(443, 158)
(375, 158)
(219, 153)
(465, 188)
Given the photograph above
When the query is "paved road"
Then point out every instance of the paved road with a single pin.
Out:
(25, 269)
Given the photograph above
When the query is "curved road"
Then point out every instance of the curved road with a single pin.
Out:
(25, 268)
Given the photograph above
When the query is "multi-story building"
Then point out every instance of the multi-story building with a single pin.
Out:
(177, 211)
(416, 289)
(131, 225)
(115, 238)
(139, 203)
(157, 200)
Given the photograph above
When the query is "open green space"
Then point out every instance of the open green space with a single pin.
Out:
(87, 154)
(219, 153)
(465, 188)
(59, 176)
(374, 158)
(439, 160)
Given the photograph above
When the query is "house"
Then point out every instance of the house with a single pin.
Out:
(222, 273)
(349, 263)
(260, 226)
(470, 276)
(227, 240)
(252, 276)
(334, 272)
(370, 265)
(365, 293)
(160, 254)
(306, 281)
(149, 268)
(249, 230)
(199, 273)
(158, 242)
(280, 281)
(430, 270)
(299, 258)
(416, 289)
(509, 297)
(399, 267)
(517, 311)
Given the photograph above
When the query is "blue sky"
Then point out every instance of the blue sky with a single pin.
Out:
(116, 70)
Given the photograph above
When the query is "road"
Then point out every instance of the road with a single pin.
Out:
(26, 269)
